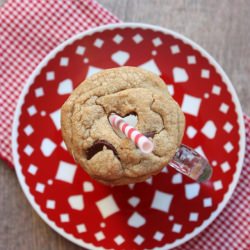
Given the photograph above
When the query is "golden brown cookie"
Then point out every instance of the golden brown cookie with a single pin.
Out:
(104, 154)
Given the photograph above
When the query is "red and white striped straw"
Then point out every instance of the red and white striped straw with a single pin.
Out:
(144, 144)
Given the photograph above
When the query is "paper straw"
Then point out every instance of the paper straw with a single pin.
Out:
(143, 143)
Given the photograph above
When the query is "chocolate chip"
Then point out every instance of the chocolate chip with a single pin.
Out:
(98, 146)
(150, 134)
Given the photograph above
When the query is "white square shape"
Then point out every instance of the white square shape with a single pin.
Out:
(207, 202)
(92, 70)
(56, 118)
(206, 95)
(177, 178)
(120, 57)
(205, 73)
(171, 217)
(176, 228)
(107, 206)
(153, 52)
(136, 220)
(149, 180)
(200, 150)
(216, 90)
(151, 66)
(164, 170)
(157, 41)
(191, 60)
(32, 169)
(214, 163)
(193, 216)
(217, 185)
(88, 186)
(32, 110)
(228, 127)
(40, 187)
(64, 217)
(170, 89)
(64, 61)
(50, 76)
(76, 202)
(209, 129)
(102, 224)
(63, 145)
(192, 190)
(66, 172)
(162, 201)
(137, 38)
(117, 39)
(138, 239)
(225, 167)
(224, 108)
(39, 92)
(81, 228)
(191, 105)
(28, 130)
(80, 50)
(180, 75)
(47, 147)
(119, 240)
(85, 60)
(158, 236)
(28, 150)
(98, 43)
(191, 132)
(50, 204)
(134, 201)
(228, 147)
(99, 236)
(175, 49)
(43, 113)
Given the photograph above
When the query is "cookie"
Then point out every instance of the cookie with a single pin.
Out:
(103, 153)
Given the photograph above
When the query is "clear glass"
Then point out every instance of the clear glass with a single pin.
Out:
(188, 162)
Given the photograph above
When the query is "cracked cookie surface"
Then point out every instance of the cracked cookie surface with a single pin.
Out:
(104, 154)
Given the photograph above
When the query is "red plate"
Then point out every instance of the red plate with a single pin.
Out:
(166, 210)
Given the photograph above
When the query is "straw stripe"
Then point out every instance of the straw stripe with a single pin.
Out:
(137, 138)
(126, 130)
(131, 130)
(134, 134)
(124, 127)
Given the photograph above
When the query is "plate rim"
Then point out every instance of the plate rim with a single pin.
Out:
(133, 25)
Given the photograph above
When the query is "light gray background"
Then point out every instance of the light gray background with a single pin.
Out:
(221, 27)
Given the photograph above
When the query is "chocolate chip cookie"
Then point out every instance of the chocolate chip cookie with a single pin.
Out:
(102, 152)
